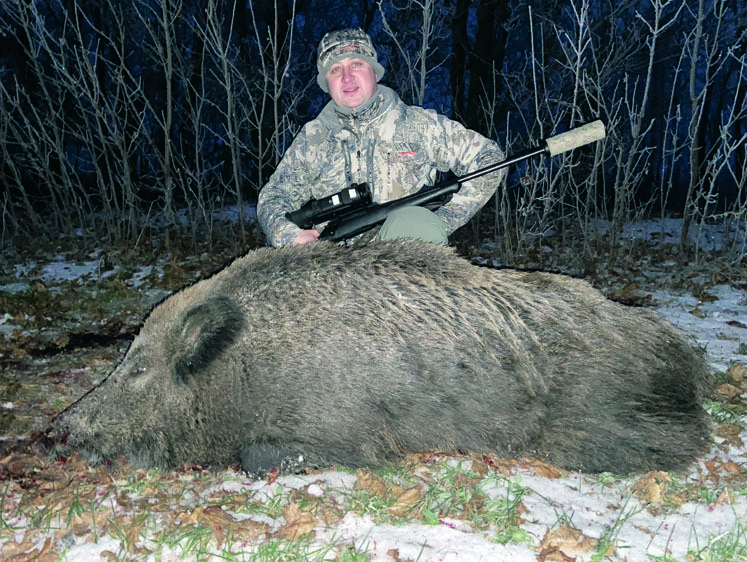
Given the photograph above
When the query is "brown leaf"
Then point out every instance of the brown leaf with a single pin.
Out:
(698, 313)
(628, 296)
(123, 500)
(406, 501)
(81, 524)
(393, 553)
(297, 522)
(173, 276)
(546, 470)
(21, 465)
(213, 517)
(651, 487)
(131, 528)
(724, 497)
(554, 554)
(731, 434)
(566, 541)
(248, 530)
(727, 430)
(62, 341)
(75, 463)
(329, 515)
(220, 522)
(462, 481)
(422, 457)
(102, 475)
(501, 466)
(369, 482)
(271, 476)
(737, 374)
(732, 467)
(479, 467)
(11, 549)
(46, 551)
(27, 551)
(217, 520)
(728, 391)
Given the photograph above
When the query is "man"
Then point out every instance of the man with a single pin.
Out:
(367, 134)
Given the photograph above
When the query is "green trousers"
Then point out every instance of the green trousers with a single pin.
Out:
(414, 222)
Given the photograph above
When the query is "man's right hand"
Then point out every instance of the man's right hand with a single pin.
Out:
(306, 236)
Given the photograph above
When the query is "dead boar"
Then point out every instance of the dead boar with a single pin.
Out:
(323, 355)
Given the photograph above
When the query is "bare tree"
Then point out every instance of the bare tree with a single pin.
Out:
(413, 48)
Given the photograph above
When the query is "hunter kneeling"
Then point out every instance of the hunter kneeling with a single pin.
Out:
(367, 135)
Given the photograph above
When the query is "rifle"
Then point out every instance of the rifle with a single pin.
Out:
(351, 212)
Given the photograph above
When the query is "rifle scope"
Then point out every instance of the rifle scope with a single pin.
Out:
(317, 211)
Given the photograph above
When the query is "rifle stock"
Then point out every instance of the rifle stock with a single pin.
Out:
(355, 222)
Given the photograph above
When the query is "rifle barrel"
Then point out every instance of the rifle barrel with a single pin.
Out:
(367, 218)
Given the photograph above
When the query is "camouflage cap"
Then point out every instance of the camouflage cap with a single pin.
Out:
(338, 45)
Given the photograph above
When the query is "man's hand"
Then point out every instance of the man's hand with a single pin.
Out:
(306, 236)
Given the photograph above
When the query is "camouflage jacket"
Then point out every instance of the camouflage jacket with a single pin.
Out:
(394, 147)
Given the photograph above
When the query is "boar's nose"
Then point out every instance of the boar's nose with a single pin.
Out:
(47, 441)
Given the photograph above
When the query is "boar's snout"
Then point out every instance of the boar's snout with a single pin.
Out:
(52, 442)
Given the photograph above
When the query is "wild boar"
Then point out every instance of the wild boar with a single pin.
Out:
(324, 355)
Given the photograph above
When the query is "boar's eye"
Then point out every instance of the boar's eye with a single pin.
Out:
(133, 367)
(203, 332)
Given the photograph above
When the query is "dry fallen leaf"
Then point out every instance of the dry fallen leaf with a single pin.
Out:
(221, 523)
(567, 542)
(131, 529)
(546, 470)
(554, 554)
(367, 481)
(737, 374)
(732, 467)
(297, 523)
(406, 501)
(651, 487)
(271, 476)
(248, 530)
(62, 341)
(501, 466)
(728, 391)
(28, 549)
(393, 553)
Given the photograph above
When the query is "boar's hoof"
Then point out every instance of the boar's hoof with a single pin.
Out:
(260, 458)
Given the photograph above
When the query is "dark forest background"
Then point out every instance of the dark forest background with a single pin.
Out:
(118, 118)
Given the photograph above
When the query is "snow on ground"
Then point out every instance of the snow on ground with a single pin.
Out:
(709, 322)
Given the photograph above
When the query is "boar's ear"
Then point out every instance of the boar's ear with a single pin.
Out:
(202, 333)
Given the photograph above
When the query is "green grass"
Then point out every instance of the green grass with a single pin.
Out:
(724, 414)
(730, 546)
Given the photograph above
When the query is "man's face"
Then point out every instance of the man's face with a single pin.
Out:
(351, 82)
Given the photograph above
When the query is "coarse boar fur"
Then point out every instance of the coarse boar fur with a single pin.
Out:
(350, 356)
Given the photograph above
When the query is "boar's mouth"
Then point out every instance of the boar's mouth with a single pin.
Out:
(57, 443)
(52, 442)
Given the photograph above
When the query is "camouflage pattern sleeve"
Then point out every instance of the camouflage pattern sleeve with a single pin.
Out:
(288, 188)
(462, 151)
